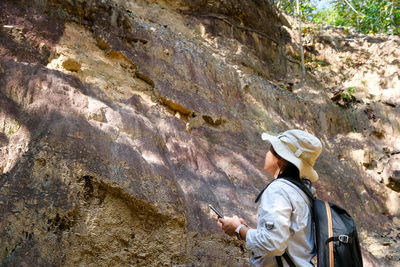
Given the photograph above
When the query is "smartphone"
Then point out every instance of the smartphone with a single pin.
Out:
(216, 211)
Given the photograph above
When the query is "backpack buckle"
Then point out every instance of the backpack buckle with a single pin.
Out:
(344, 238)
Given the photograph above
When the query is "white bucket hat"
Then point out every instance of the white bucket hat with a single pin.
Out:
(298, 147)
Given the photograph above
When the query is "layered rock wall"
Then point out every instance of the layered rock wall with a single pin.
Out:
(120, 121)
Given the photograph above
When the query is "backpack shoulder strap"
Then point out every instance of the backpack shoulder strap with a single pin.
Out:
(295, 181)
(262, 191)
(300, 185)
(287, 258)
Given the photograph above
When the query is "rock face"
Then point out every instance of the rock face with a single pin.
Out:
(120, 121)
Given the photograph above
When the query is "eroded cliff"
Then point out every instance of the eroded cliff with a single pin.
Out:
(121, 120)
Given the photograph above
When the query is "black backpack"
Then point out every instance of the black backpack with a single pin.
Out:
(336, 235)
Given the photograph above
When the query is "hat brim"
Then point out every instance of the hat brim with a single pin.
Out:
(305, 170)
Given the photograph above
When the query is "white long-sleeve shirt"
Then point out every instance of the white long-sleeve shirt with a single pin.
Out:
(284, 223)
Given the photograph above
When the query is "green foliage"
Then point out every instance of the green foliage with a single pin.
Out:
(373, 16)
(306, 8)
(313, 64)
(325, 16)
(348, 96)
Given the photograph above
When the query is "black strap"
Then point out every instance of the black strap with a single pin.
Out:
(287, 258)
(262, 191)
(345, 239)
(300, 185)
(279, 261)
(295, 181)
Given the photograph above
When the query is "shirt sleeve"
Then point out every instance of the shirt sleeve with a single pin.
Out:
(273, 226)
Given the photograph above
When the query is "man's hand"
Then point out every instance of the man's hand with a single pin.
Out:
(229, 224)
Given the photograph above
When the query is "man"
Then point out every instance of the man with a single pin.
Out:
(284, 217)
